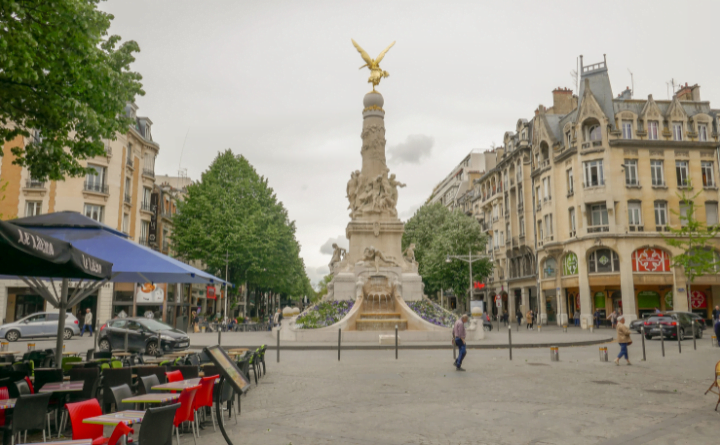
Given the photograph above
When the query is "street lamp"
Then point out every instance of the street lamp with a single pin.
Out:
(468, 259)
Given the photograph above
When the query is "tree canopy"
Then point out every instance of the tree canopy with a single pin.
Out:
(232, 209)
(64, 83)
(437, 233)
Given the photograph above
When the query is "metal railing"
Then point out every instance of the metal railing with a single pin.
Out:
(97, 188)
(598, 229)
(33, 184)
(636, 228)
(149, 172)
(145, 206)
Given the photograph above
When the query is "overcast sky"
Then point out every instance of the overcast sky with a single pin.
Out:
(278, 82)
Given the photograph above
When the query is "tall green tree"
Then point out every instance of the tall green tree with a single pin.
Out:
(698, 258)
(232, 211)
(437, 233)
(64, 83)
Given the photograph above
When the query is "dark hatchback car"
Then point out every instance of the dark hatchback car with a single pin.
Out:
(144, 335)
(666, 324)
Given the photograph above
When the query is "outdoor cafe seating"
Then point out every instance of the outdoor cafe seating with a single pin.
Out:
(175, 399)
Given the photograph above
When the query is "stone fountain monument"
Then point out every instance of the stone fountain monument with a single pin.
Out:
(374, 271)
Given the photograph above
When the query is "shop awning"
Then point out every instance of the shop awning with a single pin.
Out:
(132, 262)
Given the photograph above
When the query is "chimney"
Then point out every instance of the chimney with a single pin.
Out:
(562, 101)
(625, 95)
(689, 92)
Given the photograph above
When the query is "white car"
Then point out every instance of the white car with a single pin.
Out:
(40, 324)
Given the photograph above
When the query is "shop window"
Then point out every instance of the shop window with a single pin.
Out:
(602, 261)
(550, 268)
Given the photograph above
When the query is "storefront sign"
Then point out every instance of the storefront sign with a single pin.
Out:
(648, 299)
(570, 264)
(599, 300)
(698, 300)
(650, 260)
(152, 232)
(149, 293)
(211, 293)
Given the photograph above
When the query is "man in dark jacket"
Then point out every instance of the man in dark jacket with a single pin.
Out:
(716, 313)
(717, 331)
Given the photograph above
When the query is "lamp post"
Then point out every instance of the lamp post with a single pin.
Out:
(246, 292)
(469, 258)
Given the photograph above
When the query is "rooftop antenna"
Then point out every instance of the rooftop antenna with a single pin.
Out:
(670, 83)
(183, 149)
(632, 83)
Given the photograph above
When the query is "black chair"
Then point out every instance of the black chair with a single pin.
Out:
(157, 426)
(24, 416)
(90, 355)
(193, 360)
(114, 377)
(146, 384)
(227, 397)
(158, 371)
(47, 375)
(188, 372)
(22, 387)
(91, 379)
(119, 393)
(204, 358)
(103, 355)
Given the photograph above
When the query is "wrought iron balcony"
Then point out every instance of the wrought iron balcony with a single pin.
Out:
(97, 188)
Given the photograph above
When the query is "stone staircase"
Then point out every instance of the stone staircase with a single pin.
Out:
(380, 321)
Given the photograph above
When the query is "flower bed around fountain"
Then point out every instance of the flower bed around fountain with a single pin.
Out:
(433, 313)
(324, 314)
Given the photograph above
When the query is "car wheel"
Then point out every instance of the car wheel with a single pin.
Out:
(152, 348)
(12, 335)
(67, 334)
(104, 344)
(682, 334)
(648, 337)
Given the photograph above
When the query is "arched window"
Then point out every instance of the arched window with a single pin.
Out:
(592, 130)
(570, 264)
(550, 268)
(650, 260)
(603, 260)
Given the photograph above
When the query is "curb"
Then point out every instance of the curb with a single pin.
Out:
(333, 347)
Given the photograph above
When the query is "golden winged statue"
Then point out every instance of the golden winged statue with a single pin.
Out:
(376, 74)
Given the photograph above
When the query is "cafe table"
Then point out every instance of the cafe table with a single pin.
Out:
(177, 386)
(176, 354)
(72, 386)
(151, 398)
(7, 404)
(129, 417)
(70, 354)
(122, 354)
(9, 352)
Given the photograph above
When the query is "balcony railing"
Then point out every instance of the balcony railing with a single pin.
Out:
(662, 228)
(598, 229)
(149, 172)
(32, 184)
(573, 233)
(145, 206)
(545, 163)
(97, 188)
(636, 228)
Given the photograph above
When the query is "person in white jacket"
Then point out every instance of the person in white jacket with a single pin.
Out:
(87, 323)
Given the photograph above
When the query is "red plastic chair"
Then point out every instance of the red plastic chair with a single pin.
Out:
(30, 385)
(204, 397)
(185, 413)
(80, 411)
(121, 429)
(174, 376)
(4, 395)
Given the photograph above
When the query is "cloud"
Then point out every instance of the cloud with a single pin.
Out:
(415, 147)
(327, 249)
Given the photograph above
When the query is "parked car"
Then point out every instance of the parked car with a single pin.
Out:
(666, 324)
(637, 324)
(700, 324)
(144, 335)
(40, 324)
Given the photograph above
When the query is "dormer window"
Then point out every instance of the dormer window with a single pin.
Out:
(147, 132)
(677, 131)
(593, 133)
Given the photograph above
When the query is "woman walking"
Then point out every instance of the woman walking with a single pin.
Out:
(623, 339)
(529, 319)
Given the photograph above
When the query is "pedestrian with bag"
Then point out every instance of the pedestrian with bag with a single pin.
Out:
(623, 339)
(529, 320)
(459, 341)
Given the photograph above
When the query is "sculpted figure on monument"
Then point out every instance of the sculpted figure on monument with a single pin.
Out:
(410, 253)
(353, 186)
(338, 255)
(373, 256)
(394, 184)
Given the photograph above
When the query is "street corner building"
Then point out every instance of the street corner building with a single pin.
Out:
(125, 194)
(580, 197)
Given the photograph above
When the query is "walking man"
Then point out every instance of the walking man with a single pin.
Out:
(459, 340)
(87, 323)
(716, 313)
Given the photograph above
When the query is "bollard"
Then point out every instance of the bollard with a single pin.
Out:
(510, 341)
(554, 354)
(278, 345)
(539, 327)
(396, 342)
(339, 344)
(642, 338)
(454, 350)
(693, 332)
(603, 354)
(662, 341)
(677, 333)
(564, 328)
(592, 329)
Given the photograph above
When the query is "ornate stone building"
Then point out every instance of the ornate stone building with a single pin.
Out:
(583, 195)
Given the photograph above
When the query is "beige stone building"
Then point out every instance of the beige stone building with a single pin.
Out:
(583, 194)
(121, 195)
(460, 179)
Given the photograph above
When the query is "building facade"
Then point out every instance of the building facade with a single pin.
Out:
(582, 197)
(122, 193)
(459, 181)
